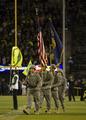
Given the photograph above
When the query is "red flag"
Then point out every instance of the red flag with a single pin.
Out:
(41, 49)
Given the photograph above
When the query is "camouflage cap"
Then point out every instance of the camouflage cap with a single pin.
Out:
(53, 66)
(60, 72)
(32, 67)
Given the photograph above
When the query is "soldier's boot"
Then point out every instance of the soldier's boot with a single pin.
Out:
(36, 112)
(26, 111)
(63, 108)
(47, 111)
(57, 111)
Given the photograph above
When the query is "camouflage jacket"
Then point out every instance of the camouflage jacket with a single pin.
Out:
(34, 81)
(57, 82)
(47, 79)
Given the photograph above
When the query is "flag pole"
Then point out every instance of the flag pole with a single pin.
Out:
(50, 55)
(15, 35)
(64, 68)
(15, 22)
(60, 60)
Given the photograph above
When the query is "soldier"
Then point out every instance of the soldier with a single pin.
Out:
(47, 79)
(54, 88)
(33, 89)
(61, 87)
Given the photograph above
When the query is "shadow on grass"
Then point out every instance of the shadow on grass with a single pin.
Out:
(13, 113)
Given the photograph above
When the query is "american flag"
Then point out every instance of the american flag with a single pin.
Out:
(41, 49)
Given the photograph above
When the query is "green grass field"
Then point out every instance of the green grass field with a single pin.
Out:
(74, 110)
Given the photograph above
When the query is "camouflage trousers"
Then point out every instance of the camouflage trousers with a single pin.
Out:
(61, 93)
(46, 93)
(36, 97)
(55, 98)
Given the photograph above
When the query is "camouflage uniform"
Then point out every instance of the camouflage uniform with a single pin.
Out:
(62, 88)
(54, 88)
(33, 89)
(47, 79)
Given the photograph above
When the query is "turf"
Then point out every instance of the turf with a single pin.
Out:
(74, 110)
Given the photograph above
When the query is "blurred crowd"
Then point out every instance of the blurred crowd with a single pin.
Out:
(27, 28)
(27, 12)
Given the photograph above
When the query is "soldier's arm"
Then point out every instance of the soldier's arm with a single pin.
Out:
(39, 83)
(58, 83)
(65, 84)
(50, 79)
(25, 82)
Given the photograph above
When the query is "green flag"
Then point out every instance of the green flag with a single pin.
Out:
(25, 72)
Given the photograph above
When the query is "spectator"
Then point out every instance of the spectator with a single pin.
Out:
(83, 88)
(14, 89)
(71, 88)
(70, 62)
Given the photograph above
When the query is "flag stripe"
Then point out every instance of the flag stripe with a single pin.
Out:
(41, 49)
